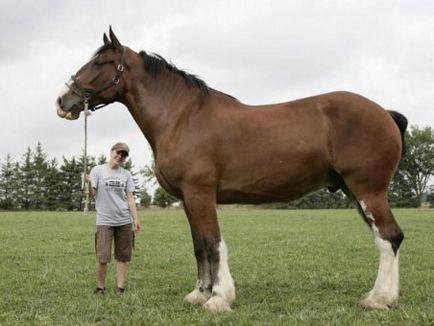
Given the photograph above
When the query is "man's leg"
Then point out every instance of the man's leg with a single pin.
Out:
(123, 251)
(103, 247)
(101, 270)
(121, 273)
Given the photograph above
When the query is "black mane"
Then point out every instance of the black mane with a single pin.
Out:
(155, 64)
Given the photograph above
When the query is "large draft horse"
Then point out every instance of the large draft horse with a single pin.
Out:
(210, 148)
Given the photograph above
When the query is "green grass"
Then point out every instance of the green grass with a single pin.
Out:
(290, 268)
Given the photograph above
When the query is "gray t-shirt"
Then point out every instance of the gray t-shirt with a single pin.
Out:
(112, 186)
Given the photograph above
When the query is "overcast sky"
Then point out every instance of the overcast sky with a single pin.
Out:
(258, 51)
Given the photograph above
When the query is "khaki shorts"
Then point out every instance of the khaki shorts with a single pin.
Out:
(123, 239)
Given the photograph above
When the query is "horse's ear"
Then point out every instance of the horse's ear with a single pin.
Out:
(114, 39)
(106, 40)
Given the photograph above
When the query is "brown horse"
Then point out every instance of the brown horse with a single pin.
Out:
(209, 148)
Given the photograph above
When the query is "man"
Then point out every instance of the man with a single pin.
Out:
(116, 216)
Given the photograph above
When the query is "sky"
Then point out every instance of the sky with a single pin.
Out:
(257, 51)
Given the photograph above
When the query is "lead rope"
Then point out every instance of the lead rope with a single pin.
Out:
(85, 183)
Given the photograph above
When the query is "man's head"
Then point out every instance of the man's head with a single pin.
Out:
(121, 148)
(119, 153)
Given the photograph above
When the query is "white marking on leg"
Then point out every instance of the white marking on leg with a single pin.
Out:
(388, 270)
(366, 211)
(385, 292)
(197, 296)
(223, 292)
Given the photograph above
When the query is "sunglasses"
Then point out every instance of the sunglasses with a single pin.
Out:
(122, 153)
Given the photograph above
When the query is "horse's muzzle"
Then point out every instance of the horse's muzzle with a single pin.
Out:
(69, 111)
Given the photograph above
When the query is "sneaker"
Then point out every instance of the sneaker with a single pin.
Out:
(99, 291)
(120, 291)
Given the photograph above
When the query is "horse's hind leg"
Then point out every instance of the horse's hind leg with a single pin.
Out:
(376, 212)
(214, 287)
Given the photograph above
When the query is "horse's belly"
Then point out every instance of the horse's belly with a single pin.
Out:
(270, 187)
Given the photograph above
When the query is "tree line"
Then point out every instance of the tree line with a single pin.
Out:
(37, 182)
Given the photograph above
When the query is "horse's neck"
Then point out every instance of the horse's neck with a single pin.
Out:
(157, 104)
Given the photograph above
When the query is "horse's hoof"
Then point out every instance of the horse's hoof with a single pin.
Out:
(197, 297)
(371, 302)
(217, 304)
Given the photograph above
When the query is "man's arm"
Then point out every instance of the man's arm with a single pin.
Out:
(91, 189)
(133, 211)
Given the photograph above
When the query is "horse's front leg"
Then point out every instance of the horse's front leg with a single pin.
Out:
(214, 287)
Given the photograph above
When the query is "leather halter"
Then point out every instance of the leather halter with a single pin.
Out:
(88, 93)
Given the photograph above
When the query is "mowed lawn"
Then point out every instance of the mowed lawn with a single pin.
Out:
(291, 267)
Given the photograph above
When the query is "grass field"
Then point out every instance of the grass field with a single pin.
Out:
(290, 268)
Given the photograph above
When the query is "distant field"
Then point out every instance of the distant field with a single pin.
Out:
(290, 267)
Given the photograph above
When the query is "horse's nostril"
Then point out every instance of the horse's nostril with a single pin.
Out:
(59, 101)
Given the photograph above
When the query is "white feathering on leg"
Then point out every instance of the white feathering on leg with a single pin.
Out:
(223, 292)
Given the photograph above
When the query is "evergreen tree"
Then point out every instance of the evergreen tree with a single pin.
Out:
(91, 163)
(128, 165)
(25, 185)
(102, 159)
(17, 180)
(8, 186)
(53, 185)
(40, 171)
(71, 180)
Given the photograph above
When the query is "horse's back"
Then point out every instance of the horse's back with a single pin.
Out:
(301, 142)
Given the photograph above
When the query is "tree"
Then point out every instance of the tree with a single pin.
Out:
(319, 199)
(53, 184)
(430, 197)
(102, 159)
(324, 199)
(145, 199)
(37, 182)
(415, 169)
(25, 185)
(8, 186)
(90, 164)
(401, 193)
(40, 171)
(17, 175)
(128, 165)
(71, 195)
(148, 172)
(163, 198)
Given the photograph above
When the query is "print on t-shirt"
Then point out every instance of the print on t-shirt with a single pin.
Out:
(114, 184)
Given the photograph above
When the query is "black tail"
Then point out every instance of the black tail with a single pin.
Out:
(402, 123)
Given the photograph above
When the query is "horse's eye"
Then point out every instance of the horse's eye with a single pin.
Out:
(98, 62)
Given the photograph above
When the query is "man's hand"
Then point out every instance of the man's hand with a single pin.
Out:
(137, 226)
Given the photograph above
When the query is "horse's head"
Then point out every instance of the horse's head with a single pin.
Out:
(97, 83)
